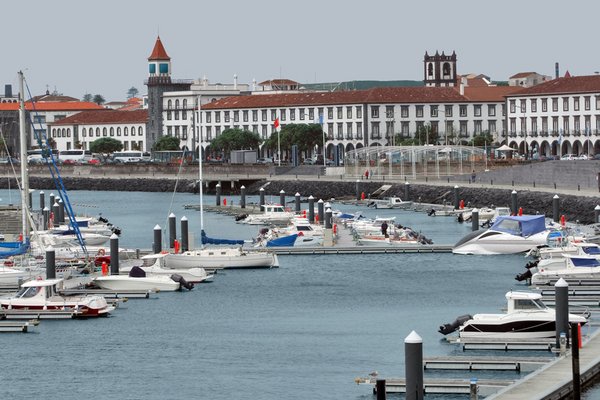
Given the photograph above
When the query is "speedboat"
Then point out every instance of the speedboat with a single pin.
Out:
(42, 294)
(273, 214)
(508, 235)
(137, 279)
(390, 202)
(568, 267)
(527, 317)
(154, 264)
(221, 258)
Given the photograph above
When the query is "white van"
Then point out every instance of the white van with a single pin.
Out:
(78, 156)
(128, 156)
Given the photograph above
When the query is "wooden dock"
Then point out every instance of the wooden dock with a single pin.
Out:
(17, 326)
(440, 386)
(486, 363)
(504, 344)
(554, 381)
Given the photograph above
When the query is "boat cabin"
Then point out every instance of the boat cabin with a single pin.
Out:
(273, 208)
(45, 288)
(524, 301)
(525, 225)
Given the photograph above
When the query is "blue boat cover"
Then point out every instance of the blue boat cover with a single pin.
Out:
(591, 250)
(285, 241)
(585, 262)
(206, 240)
(18, 248)
(524, 225)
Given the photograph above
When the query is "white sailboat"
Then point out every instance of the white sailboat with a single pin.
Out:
(218, 257)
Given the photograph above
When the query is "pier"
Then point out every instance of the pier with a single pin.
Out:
(302, 250)
(17, 326)
(440, 386)
(480, 363)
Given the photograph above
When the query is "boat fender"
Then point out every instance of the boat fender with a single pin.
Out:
(532, 264)
(179, 279)
(240, 217)
(449, 328)
(524, 276)
(431, 212)
(460, 218)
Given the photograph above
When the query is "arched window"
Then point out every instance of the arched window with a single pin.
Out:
(112, 131)
(53, 132)
(446, 69)
(68, 132)
(97, 132)
(126, 132)
(140, 131)
(430, 69)
(184, 103)
(177, 104)
(83, 132)
(118, 131)
(169, 104)
(104, 131)
(64, 132)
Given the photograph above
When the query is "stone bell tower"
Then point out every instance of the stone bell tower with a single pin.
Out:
(439, 69)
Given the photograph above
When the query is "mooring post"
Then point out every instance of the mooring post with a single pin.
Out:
(52, 200)
(157, 245)
(172, 230)
(311, 209)
(61, 211)
(456, 198)
(243, 196)
(114, 254)
(328, 218)
(185, 244)
(514, 203)
(321, 211)
(297, 200)
(50, 263)
(218, 194)
(261, 193)
(42, 200)
(55, 212)
(46, 214)
(561, 299)
(357, 189)
(380, 389)
(575, 362)
(406, 191)
(282, 197)
(597, 214)
(473, 389)
(475, 220)
(413, 361)
(555, 208)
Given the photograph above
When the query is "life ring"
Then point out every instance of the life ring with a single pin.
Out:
(101, 252)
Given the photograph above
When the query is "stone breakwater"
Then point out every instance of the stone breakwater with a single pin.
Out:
(574, 208)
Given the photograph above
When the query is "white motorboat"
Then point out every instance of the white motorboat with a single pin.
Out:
(273, 214)
(390, 202)
(508, 235)
(42, 294)
(154, 264)
(307, 234)
(137, 280)
(221, 258)
(486, 214)
(568, 267)
(527, 317)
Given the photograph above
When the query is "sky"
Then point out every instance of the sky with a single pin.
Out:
(101, 47)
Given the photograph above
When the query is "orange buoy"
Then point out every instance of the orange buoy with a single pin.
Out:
(563, 220)
(520, 211)
(224, 201)
(176, 245)
(104, 268)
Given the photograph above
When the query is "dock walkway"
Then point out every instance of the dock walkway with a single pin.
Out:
(554, 381)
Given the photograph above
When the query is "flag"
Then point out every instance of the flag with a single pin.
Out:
(276, 123)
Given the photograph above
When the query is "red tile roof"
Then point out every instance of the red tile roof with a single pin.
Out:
(522, 75)
(490, 93)
(159, 52)
(53, 106)
(278, 82)
(574, 84)
(283, 100)
(419, 94)
(105, 117)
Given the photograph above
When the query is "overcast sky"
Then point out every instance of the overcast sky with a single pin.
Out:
(102, 47)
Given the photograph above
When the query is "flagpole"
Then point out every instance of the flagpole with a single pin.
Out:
(278, 148)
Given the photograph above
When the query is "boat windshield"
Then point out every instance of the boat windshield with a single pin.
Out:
(27, 292)
(303, 228)
(529, 304)
(591, 250)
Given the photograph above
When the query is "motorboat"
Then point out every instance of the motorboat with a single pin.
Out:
(568, 267)
(137, 279)
(486, 214)
(390, 202)
(43, 294)
(154, 264)
(212, 258)
(273, 214)
(299, 233)
(527, 317)
(508, 235)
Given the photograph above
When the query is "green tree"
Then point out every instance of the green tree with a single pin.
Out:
(426, 135)
(105, 145)
(98, 99)
(305, 136)
(132, 92)
(166, 143)
(235, 139)
(88, 97)
(482, 139)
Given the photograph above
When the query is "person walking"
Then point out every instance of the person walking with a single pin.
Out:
(473, 176)
(367, 174)
(384, 228)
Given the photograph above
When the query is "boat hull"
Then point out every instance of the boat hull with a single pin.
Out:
(214, 260)
(124, 282)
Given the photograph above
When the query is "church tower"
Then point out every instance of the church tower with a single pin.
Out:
(439, 70)
(159, 81)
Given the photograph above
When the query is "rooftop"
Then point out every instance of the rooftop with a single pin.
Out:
(159, 52)
(568, 84)
(105, 116)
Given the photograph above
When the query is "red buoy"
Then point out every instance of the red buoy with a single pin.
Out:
(563, 220)
(104, 268)
(520, 211)
(461, 205)
(224, 201)
(362, 196)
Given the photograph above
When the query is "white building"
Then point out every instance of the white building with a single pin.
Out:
(560, 116)
(527, 79)
(79, 130)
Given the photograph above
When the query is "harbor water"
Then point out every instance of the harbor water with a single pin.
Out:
(301, 331)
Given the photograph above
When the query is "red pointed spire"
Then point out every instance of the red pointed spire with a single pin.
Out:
(159, 52)
(567, 74)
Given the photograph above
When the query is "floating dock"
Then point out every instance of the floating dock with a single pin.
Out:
(17, 326)
(480, 363)
(110, 294)
(301, 250)
(504, 344)
(441, 386)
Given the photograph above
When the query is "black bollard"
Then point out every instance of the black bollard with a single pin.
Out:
(61, 211)
(42, 200)
(30, 200)
(185, 241)
(52, 200)
(555, 208)
(475, 220)
(282, 197)
(172, 230)
(55, 211)
(561, 299)
(357, 189)
(406, 191)
(413, 362)
(297, 200)
(321, 211)
(157, 245)
(114, 254)
(218, 196)
(328, 218)
(46, 214)
(243, 197)
(473, 389)
(514, 209)
(380, 389)
(575, 362)
(50, 263)
(262, 197)
(597, 214)
(311, 209)
(456, 199)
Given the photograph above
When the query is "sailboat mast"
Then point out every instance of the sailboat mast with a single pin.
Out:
(200, 180)
(23, 157)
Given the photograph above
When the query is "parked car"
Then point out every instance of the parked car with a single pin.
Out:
(309, 161)
(94, 161)
(266, 160)
(581, 157)
(567, 157)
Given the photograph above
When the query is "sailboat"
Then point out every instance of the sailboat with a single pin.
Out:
(218, 257)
